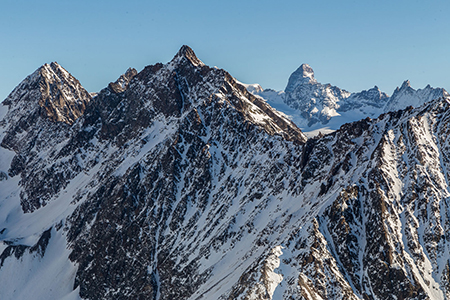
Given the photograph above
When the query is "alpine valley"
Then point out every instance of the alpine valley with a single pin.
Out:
(176, 182)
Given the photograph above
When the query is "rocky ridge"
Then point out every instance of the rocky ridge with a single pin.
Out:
(313, 105)
(319, 103)
(407, 96)
(181, 184)
(60, 96)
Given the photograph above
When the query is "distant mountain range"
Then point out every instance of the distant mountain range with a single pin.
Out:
(314, 106)
(176, 182)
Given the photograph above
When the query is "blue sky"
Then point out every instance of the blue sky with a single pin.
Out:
(352, 44)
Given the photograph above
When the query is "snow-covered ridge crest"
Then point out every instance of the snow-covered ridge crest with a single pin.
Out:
(262, 114)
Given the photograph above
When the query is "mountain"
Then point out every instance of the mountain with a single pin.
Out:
(177, 183)
(60, 96)
(407, 96)
(123, 81)
(319, 103)
(314, 106)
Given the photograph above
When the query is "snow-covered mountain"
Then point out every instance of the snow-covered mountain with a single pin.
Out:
(178, 183)
(314, 106)
(407, 96)
(318, 103)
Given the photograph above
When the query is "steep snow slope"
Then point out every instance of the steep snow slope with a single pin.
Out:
(34, 119)
(180, 184)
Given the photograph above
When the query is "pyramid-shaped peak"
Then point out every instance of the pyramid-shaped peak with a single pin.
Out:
(54, 71)
(306, 71)
(186, 52)
(52, 92)
(303, 75)
(53, 66)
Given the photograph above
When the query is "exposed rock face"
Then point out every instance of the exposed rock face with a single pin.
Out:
(303, 75)
(407, 96)
(123, 81)
(60, 97)
(314, 105)
(190, 125)
(180, 184)
(318, 103)
(39, 112)
(49, 93)
(373, 97)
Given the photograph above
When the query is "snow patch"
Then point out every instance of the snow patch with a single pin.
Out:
(273, 279)
(40, 278)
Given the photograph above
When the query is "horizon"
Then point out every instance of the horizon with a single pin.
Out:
(352, 45)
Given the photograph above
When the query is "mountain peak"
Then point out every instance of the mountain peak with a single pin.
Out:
(306, 71)
(53, 70)
(408, 96)
(123, 81)
(59, 95)
(186, 52)
(405, 84)
(303, 75)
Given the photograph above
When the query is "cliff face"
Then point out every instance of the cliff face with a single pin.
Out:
(177, 183)
(321, 107)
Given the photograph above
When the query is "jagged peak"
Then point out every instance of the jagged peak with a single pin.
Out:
(405, 84)
(306, 71)
(53, 66)
(375, 92)
(186, 52)
(303, 75)
(60, 96)
(123, 81)
(131, 72)
(217, 83)
(47, 72)
(53, 71)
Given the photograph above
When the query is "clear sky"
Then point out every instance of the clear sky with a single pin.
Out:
(354, 44)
